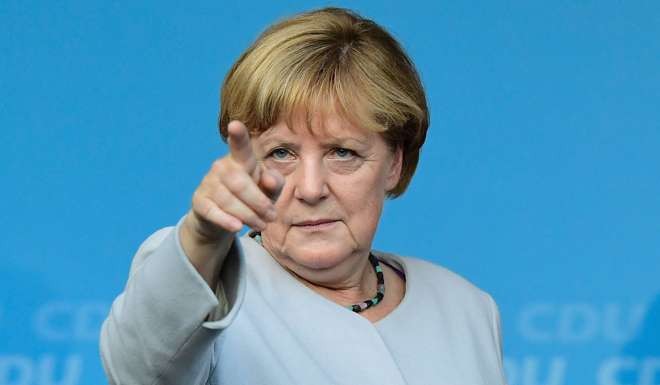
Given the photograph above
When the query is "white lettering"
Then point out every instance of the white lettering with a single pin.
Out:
(24, 370)
(71, 373)
(15, 370)
(530, 322)
(577, 323)
(609, 371)
(88, 320)
(528, 371)
(644, 371)
(52, 321)
(614, 326)
(64, 321)
(580, 322)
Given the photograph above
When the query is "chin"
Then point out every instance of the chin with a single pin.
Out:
(318, 255)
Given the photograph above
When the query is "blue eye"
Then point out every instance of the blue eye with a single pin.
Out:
(344, 152)
(280, 153)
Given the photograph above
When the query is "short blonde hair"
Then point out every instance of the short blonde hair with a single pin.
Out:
(330, 57)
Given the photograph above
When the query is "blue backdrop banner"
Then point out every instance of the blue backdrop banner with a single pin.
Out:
(539, 180)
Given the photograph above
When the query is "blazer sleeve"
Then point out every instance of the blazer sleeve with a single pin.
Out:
(162, 328)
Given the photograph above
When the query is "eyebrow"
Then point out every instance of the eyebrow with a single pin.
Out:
(276, 142)
(334, 142)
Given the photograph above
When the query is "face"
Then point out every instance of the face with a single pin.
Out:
(336, 176)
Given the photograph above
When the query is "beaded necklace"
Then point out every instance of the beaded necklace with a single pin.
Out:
(362, 306)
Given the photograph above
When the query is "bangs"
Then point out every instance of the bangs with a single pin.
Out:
(323, 92)
(316, 82)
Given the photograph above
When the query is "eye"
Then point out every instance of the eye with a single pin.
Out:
(280, 153)
(343, 153)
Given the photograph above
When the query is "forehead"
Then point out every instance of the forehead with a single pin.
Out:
(317, 126)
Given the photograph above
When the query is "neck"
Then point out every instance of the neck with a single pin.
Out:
(350, 282)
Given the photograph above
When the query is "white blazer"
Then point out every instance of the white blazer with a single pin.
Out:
(265, 327)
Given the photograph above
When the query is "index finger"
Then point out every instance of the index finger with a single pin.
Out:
(239, 145)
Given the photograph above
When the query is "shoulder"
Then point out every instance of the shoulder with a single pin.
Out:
(439, 284)
(452, 309)
(430, 273)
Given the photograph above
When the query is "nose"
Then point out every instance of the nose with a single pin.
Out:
(310, 181)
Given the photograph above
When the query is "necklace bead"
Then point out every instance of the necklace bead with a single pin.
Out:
(380, 294)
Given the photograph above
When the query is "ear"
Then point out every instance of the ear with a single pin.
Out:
(394, 173)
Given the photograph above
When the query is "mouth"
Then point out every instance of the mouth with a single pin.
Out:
(316, 224)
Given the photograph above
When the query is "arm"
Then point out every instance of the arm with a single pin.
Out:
(156, 332)
(161, 329)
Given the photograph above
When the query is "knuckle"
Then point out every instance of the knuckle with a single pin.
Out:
(237, 183)
(203, 208)
(221, 197)
(199, 197)
(206, 209)
(230, 173)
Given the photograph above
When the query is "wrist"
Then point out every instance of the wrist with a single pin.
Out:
(204, 253)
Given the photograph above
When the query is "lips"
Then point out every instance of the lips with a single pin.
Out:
(315, 222)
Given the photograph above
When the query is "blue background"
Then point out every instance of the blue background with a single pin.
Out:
(539, 180)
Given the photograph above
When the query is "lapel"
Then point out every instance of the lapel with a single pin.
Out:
(344, 345)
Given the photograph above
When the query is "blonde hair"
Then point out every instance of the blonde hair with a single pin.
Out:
(330, 57)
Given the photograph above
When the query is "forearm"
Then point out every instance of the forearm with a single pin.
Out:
(156, 331)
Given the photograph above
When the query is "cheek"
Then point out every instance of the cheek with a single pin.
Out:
(362, 202)
(360, 193)
(344, 167)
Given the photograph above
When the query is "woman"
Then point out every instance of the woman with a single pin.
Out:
(325, 117)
